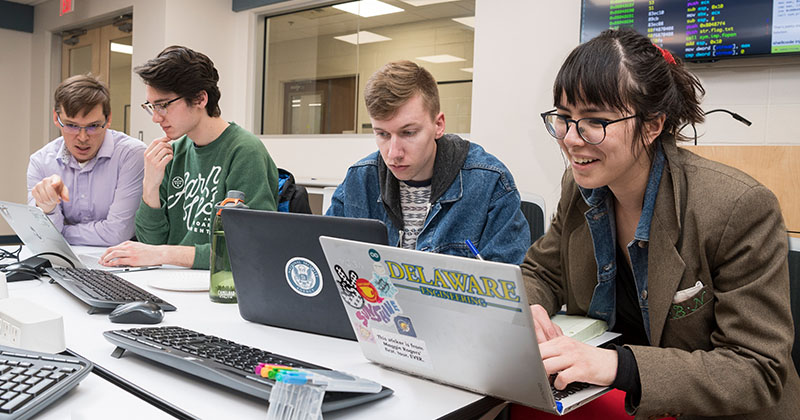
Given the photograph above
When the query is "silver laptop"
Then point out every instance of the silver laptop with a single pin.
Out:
(455, 320)
(40, 235)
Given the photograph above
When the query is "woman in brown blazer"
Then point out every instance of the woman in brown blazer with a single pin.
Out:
(685, 257)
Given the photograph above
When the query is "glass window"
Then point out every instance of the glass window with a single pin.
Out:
(317, 61)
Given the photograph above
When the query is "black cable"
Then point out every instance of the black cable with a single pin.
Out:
(137, 391)
(735, 116)
(10, 254)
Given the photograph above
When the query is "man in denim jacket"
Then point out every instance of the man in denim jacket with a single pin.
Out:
(433, 190)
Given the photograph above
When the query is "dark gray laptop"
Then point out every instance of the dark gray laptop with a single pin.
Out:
(281, 275)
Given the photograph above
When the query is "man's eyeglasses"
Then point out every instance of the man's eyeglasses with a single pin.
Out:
(160, 108)
(75, 129)
(591, 130)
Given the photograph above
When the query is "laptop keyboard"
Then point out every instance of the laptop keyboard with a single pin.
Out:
(221, 361)
(101, 290)
(30, 381)
(569, 390)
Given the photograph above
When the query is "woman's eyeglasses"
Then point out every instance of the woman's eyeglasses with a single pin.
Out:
(591, 130)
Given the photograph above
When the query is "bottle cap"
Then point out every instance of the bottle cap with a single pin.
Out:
(236, 194)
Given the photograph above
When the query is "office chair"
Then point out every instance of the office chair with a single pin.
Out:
(533, 208)
(794, 294)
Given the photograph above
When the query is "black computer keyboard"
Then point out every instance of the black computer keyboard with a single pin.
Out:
(101, 290)
(220, 361)
(572, 388)
(30, 381)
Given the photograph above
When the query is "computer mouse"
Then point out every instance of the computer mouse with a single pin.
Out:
(137, 313)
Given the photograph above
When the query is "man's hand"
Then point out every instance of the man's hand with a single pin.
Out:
(49, 192)
(545, 328)
(137, 254)
(156, 158)
(134, 254)
(574, 361)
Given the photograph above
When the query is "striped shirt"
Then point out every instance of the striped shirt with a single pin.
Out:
(415, 201)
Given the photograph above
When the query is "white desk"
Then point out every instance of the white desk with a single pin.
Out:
(96, 398)
(413, 398)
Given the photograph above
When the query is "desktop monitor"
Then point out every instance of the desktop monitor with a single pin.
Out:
(701, 30)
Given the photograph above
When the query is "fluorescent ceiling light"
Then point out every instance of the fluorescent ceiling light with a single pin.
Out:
(317, 104)
(122, 48)
(362, 37)
(295, 105)
(368, 8)
(467, 69)
(441, 58)
(469, 21)
(418, 3)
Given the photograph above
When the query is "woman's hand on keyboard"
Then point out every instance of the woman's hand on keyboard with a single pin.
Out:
(575, 361)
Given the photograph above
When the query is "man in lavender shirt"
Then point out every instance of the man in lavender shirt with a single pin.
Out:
(89, 180)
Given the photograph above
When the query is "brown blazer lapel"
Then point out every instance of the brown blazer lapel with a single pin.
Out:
(664, 271)
(665, 267)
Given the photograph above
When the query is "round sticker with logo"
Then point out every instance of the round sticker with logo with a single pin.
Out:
(177, 182)
(374, 255)
(303, 276)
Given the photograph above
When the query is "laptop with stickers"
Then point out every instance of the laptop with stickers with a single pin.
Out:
(279, 270)
(40, 235)
(459, 321)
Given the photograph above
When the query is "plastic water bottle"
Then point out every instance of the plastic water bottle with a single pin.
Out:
(222, 288)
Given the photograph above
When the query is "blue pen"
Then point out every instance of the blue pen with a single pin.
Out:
(473, 249)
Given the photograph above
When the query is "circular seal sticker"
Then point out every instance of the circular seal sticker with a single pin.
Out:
(374, 255)
(303, 276)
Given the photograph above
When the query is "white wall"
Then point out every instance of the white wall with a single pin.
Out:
(15, 66)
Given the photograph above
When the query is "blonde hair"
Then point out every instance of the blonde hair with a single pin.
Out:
(397, 82)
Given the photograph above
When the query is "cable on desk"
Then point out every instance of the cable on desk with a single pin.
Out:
(132, 388)
(10, 254)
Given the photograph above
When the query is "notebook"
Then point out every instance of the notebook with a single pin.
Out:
(280, 272)
(39, 234)
(454, 320)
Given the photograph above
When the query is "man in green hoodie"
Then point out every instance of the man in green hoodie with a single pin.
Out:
(192, 167)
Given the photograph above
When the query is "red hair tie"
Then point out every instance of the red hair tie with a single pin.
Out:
(667, 55)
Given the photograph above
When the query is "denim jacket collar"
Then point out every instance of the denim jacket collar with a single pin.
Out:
(594, 197)
(602, 226)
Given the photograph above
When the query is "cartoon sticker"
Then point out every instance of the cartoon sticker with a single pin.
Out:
(404, 326)
(347, 284)
(303, 276)
(385, 288)
(364, 332)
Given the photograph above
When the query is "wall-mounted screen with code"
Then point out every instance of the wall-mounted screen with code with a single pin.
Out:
(701, 30)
